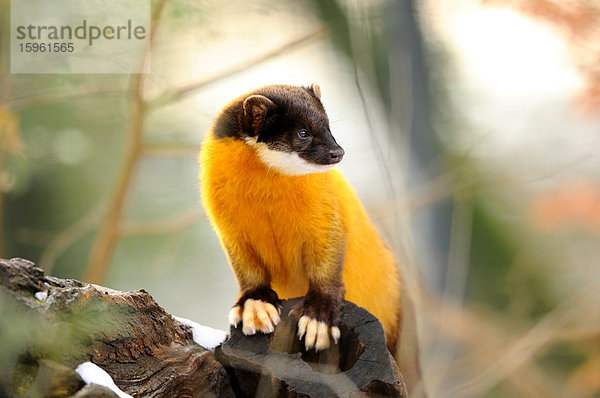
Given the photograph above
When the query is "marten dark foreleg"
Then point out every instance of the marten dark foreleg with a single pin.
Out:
(320, 317)
(321, 310)
(257, 306)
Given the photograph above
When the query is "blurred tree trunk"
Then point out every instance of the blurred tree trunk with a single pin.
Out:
(388, 49)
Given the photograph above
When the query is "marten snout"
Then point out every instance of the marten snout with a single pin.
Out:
(327, 156)
(324, 149)
(336, 154)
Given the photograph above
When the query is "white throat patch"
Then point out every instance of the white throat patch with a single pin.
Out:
(287, 163)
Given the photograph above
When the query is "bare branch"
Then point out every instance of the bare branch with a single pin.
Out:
(167, 225)
(24, 102)
(105, 243)
(182, 92)
(69, 236)
(485, 338)
(522, 350)
(171, 149)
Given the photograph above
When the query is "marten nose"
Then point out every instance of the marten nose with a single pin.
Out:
(336, 154)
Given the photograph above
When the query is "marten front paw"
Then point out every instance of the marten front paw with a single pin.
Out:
(317, 333)
(258, 310)
(318, 322)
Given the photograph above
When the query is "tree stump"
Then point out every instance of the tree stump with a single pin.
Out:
(50, 326)
(277, 365)
(145, 350)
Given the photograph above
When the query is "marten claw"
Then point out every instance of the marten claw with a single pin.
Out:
(235, 316)
(316, 334)
(257, 315)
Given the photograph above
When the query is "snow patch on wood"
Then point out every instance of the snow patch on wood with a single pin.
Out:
(91, 373)
(204, 336)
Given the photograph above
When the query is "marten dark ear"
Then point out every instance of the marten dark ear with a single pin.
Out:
(315, 90)
(255, 110)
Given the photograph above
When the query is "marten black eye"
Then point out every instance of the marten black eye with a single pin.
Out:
(303, 134)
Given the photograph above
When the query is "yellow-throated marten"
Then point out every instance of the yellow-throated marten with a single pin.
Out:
(290, 224)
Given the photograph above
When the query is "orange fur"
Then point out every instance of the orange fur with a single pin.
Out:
(269, 222)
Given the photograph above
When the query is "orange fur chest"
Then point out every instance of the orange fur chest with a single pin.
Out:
(280, 222)
(254, 207)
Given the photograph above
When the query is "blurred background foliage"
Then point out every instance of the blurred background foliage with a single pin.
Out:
(472, 132)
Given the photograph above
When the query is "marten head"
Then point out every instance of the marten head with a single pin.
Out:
(286, 125)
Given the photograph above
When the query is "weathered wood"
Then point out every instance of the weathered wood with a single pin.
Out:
(145, 350)
(94, 391)
(150, 354)
(277, 365)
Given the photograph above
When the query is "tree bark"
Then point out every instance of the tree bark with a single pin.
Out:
(144, 350)
(57, 324)
(277, 365)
